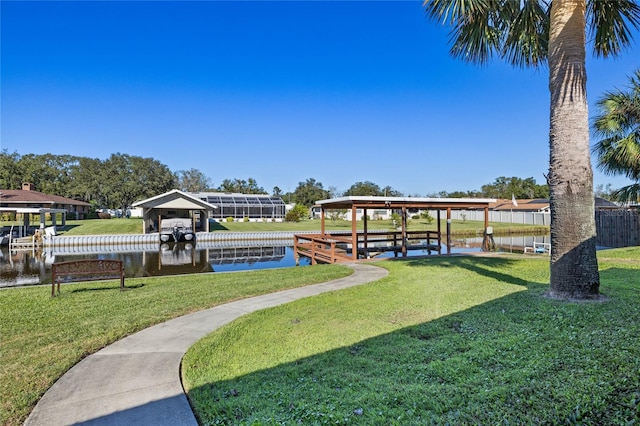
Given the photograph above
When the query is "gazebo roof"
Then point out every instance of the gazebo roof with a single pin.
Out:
(367, 202)
(174, 199)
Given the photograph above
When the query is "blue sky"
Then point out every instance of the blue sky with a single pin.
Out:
(341, 92)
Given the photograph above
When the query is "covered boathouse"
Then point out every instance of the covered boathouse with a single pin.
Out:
(336, 247)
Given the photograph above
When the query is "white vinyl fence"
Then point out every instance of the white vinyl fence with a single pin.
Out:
(526, 218)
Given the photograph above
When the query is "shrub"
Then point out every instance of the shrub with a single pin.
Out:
(396, 220)
(297, 213)
(426, 216)
(245, 219)
(229, 219)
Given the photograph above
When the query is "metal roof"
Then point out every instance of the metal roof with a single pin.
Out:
(399, 202)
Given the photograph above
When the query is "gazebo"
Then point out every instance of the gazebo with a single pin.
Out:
(332, 247)
(174, 204)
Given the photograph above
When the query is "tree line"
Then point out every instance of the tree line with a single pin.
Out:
(122, 179)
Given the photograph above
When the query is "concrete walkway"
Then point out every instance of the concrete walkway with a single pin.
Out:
(136, 380)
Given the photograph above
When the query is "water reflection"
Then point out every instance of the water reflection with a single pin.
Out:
(20, 268)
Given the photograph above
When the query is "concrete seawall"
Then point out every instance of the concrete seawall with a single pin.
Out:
(153, 240)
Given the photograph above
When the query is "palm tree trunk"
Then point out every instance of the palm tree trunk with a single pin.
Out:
(574, 266)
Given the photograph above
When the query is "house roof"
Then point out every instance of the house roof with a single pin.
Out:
(540, 204)
(174, 199)
(531, 204)
(601, 203)
(20, 197)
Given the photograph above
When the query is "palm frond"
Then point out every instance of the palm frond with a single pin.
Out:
(478, 37)
(628, 194)
(617, 124)
(527, 38)
(518, 30)
(475, 26)
(609, 23)
(450, 12)
(617, 156)
(617, 113)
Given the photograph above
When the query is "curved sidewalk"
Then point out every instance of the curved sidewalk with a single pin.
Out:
(136, 380)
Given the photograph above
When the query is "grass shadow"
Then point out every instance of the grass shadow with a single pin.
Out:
(106, 288)
(65, 228)
(519, 359)
(216, 226)
(485, 266)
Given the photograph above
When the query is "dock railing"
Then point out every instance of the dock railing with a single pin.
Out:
(336, 248)
(322, 249)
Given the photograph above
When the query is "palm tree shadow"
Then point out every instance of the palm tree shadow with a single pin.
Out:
(480, 265)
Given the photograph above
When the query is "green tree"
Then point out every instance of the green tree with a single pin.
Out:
(364, 189)
(617, 124)
(308, 192)
(129, 178)
(390, 192)
(367, 188)
(504, 187)
(49, 173)
(241, 186)
(530, 33)
(192, 180)
(9, 170)
(87, 183)
(459, 194)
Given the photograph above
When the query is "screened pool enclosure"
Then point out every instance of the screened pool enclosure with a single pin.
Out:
(240, 206)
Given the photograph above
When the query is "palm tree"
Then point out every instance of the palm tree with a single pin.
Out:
(618, 125)
(532, 33)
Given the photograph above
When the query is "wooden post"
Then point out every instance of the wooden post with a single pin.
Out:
(486, 217)
(322, 221)
(404, 231)
(439, 233)
(365, 230)
(485, 243)
(354, 233)
(448, 230)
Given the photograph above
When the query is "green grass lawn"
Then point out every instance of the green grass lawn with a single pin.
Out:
(134, 226)
(42, 337)
(460, 340)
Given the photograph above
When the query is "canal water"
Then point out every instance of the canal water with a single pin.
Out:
(27, 267)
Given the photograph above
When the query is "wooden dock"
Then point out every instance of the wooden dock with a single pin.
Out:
(338, 248)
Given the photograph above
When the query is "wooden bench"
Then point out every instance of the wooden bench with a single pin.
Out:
(85, 270)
